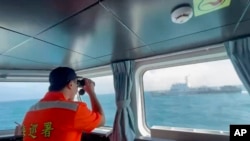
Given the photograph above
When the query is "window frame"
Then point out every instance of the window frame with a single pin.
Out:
(43, 78)
(199, 55)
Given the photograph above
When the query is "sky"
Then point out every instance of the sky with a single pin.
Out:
(217, 73)
(203, 74)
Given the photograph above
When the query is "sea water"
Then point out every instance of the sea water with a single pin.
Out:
(201, 111)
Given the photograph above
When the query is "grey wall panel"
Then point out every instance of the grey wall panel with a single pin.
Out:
(135, 53)
(42, 34)
(246, 15)
(10, 39)
(94, 32)
(105, 59)
(30, 17)
(243, 29)
(195, 40)
(11, 63)
(132, 54)
(39, 51)
(87, 64)
(151, 20)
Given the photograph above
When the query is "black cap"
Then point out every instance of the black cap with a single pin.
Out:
(60, 77)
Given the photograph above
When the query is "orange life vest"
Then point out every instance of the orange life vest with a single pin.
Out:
(55, 119)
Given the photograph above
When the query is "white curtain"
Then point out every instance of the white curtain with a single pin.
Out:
(123, 128)
(239, 53)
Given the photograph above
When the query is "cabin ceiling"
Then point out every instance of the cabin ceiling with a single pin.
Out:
(44, 34)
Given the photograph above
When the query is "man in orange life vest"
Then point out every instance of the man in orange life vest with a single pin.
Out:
(56, 117)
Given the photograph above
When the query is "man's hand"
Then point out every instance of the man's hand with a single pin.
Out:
(89, 86)
(18, 129)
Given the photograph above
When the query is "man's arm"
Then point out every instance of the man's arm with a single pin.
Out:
(95, 104)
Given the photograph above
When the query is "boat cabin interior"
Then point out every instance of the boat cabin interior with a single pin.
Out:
(113, 37)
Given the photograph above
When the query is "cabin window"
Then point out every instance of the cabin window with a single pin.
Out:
(16, 99)
(206, 95)
(104, 88)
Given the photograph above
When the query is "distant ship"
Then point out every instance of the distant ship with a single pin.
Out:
(183, 88)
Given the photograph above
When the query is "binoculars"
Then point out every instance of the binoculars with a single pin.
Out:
(80, 84)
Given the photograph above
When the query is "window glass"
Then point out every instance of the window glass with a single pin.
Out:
(104, 88)
(206, 95)
(16, 99)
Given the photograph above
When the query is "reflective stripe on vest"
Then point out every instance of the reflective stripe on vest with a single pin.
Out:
(54, 104)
